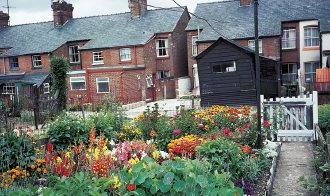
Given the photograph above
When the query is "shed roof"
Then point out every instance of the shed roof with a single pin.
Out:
(233, 21)
(103, 31)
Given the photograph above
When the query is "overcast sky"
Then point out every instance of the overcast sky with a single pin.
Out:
(30, 11)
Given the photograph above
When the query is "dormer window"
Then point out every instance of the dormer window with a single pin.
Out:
(36, 61)
(74, 54)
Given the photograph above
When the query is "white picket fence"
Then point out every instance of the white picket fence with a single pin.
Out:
(292, 118)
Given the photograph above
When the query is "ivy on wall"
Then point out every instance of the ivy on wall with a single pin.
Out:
(58, 73)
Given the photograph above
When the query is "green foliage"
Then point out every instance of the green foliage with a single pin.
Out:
(15, 151)
(185, 122)
(58, 70)
(104, 123)
(68, 130)
(80, 184)
(177, 177)
(324, 117)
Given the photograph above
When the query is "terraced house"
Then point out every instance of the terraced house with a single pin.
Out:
(294, 32)
(133, 56)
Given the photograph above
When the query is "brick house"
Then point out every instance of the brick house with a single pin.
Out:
(289, 31)
(131, 56)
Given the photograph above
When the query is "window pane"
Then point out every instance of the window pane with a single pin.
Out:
(78, 85)
(224, 67)
(308, 67)
(103, 87)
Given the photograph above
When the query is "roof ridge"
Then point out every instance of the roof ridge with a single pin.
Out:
(213, 2)
(30, 23)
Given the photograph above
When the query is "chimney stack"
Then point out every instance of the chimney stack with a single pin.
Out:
(62, 12)
(245, 2)
(137, 7)
(4, 19)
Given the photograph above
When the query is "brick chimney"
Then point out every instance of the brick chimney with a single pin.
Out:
(62, 12)
(245, 2)
(4, 19)
(137, 7)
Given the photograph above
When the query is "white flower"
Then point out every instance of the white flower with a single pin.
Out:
(164, 155)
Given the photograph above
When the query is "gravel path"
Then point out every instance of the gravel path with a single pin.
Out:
(294, 161)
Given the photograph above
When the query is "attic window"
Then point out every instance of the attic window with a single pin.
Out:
(98, 57)
(74, 54)
(36, 61)
(224, 67)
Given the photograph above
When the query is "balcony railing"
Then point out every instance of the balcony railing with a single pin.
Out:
(289, 78)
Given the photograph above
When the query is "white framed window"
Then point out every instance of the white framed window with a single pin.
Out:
(46, 88)
(149, 81)
(289, 39)
(102, 85)
(98, 57)
(251, 45)
(224, 67)
(194, 48)
(13, 61)
(74, 54)
(162, 47)
(311, 37)
(310, 71)
(125, 54)
(163, 74)
(9, 89)
(78, 83)
(36, 61)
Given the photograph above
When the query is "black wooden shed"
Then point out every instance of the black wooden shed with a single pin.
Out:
(227, 75)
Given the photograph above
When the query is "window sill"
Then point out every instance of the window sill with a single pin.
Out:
(125, 61)
(102, 92)
(311, 48)
(78, 89)
(14, 69)
(162, 57)
(39, 67)
(101, 63)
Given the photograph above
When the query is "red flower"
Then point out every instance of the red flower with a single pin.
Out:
(130, 187)
(226, 131)
(232, 119)
(246, 125)
(240, 129)
(49, 147)
(213, 137)
(255, 115)
(266, 123)
(176, 132)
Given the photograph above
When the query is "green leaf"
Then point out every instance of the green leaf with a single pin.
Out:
(154, 189)
(202, 181)
(140, 192)
(164, 188)
(179, 186)
(168, 178)
(137, 167)
(142, 177)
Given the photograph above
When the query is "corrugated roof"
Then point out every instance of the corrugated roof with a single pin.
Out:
(233, 21)
(102, 31)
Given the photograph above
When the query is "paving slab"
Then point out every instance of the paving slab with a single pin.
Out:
(294, 161)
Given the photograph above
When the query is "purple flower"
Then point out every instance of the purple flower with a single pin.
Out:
(176, 132)
(201, 126)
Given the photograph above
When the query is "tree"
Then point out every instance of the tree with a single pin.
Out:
(58, 73)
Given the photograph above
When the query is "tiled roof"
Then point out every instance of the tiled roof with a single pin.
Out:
(102, 31)
(233, 22)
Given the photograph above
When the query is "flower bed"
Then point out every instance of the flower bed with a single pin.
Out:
(204, 152)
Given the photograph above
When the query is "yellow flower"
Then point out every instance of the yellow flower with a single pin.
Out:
(130, 170)
(116, 182)
(68, 154)
(59, 160)
(155, 154)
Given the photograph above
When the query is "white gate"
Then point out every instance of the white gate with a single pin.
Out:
(292, 118)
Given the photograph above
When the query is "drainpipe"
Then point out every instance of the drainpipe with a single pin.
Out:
(87, 86)
(121, 86)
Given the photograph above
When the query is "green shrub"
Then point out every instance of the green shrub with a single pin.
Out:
(15, 151)
(105, 123)
(67, 130)
(324, 117)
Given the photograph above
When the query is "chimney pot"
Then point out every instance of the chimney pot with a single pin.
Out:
(245, 2)
(137, 7)
(4, 19)
(62, 12)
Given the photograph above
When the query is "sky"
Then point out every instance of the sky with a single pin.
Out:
(31, 11)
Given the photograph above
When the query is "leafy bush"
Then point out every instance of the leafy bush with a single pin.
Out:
(105, 123)
(176, 177)
(324, 117)
(15, 151)
(68, 130)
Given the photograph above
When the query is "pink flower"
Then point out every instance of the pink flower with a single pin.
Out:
(240, 129)
(226, 131)
(176, 132)
(266, 123)
(201, 126)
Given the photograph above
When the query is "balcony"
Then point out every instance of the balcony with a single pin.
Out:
(289, 79)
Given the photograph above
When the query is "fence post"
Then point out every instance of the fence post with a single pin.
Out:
(315, 113)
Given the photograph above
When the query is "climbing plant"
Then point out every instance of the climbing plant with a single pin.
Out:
(58, 73)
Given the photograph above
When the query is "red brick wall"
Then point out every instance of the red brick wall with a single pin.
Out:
(72, 95)
(25, 64)
(270, 46)
(292, 55)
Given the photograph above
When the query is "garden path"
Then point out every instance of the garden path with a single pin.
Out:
(294, 161)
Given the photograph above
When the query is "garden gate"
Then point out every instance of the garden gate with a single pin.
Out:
(292, 118)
